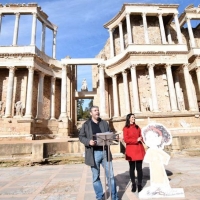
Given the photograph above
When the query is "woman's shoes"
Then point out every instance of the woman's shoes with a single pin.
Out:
(139, 188)
(133, 187)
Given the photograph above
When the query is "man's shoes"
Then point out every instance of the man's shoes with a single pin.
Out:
(139, 188)
(133, 187)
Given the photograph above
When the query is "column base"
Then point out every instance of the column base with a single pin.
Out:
(175, 110)
(63, 117)
(137, 111)
(156, 111)
(27, 116)
(7, 116)
(52, 119)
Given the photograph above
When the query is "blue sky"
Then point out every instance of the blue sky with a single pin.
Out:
(80, 26)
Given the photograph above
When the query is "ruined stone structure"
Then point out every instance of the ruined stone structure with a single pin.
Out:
(150, 66)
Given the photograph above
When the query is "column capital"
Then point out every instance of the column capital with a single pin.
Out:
(160, 14)
(150, 66)
(55, 31)
(124, 71)
(133, 66)
(11, 68)
(53, 78)
(143, 14)
(175, 14)
(110, 30)
(30, 68)
(64, 66)
(101, 66)
(188, 18)
(120, 24)
(34, 14)
(17, 14)
(168, 66)
(185, 66)
(114, 76)
(127, 14)
(41, 74)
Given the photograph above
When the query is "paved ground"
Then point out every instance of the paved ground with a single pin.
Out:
(73, 182)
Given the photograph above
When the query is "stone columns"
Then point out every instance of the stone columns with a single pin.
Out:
(111, 43)
(126, 92)
(102, 90)
(0, 21)
(121, 37)
(198, 77)
(162, 28)
(136, 103)
(145, 28)
(178, 30)
(54, 44)
(40, 96)
(52, 107)
(172, 93)
(34, 26)
(153, 87)
(16, 29)
(64, 93)
(191, 102)
(115, 96)
(129, 32)
(169, 36)
(43, 37)
(9, 95)
(192, 41)
(179, 96)
(29, 94)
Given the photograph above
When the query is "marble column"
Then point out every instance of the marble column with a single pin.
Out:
(0, 21)
(121, 37)
(162, 28)
(43, 37)
(191, 35)
(191, 102)
(102, 90)
(9, 95)
(126, 93)
(111, 43)
(198, 77)
(54, 44)
(153, 87)
(144, 18)
(40, 96)
(136, 103)
(64, 93)
(52, 106)
(178, 89)
(172, 93)
(34, 26)
(169, 36)
(115, 96)
(29, 94)
(129, 31)
(16, 29)
(178, 30)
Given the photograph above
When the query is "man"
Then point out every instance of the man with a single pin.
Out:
(94, 154)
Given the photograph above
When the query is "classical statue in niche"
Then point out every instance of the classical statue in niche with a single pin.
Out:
(147, 104)
(156, 136)
(181, 101)
(19, 108)
(1, 108)
(84, 85)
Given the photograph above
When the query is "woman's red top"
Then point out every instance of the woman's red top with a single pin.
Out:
(134, 149)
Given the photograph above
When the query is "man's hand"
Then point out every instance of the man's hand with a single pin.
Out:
(92, 143)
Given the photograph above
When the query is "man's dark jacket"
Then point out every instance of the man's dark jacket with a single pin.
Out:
(86, 135)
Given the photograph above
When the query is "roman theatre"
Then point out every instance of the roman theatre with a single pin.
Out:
(150, 66)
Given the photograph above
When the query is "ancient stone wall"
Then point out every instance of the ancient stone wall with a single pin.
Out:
(35, 94)
(57, 98)
(46, 97)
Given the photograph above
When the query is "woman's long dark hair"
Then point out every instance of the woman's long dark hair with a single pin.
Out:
(128, 120)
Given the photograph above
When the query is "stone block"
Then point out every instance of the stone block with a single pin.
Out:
(37, 152)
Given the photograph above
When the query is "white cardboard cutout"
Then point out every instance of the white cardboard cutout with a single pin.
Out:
(156, 136)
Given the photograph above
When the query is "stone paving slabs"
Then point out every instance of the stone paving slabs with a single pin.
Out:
(74, 181)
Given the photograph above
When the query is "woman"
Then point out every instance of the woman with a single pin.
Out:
(134, 150)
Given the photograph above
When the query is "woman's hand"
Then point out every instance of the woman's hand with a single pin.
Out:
(139, 139)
